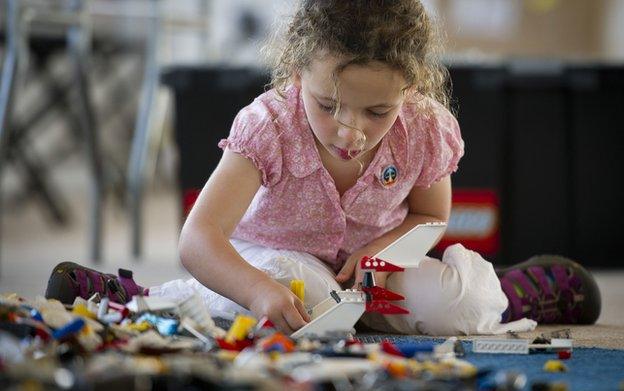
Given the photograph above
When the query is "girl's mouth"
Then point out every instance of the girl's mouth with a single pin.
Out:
(346, 154)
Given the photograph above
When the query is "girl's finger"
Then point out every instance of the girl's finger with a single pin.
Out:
(380, 279)
(302, 310)
(282, 325)
(293, 318)
(346, 272)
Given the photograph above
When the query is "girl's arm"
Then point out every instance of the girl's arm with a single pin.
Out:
(206, 252)
(425, 205)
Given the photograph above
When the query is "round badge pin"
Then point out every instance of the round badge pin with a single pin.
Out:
(388, 175)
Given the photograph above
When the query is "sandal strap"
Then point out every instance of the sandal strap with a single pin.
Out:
(96, 282)
(561, 277)
(539, 275)
(83, 282)
(515, 302)
(521, 279)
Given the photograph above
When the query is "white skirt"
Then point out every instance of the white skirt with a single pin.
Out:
(459, 295)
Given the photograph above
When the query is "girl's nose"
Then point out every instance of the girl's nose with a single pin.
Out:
(353, 138)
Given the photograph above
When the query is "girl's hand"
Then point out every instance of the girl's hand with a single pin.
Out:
(352, 269)
(280, 305)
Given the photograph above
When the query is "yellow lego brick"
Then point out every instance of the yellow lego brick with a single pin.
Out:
(81, 310)
(240, 328)
(298, 288)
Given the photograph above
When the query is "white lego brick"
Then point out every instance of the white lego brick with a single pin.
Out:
(322, 307)
(561, 343)
(353, 295)
(501, 346)
(150, 303)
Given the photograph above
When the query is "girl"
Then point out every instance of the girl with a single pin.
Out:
(352, 147)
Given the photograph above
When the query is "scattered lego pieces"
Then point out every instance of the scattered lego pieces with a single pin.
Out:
(97, 343)
(165, 326)
(277, 342)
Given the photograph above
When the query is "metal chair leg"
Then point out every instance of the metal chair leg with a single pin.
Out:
(79, 50)
(140, 142)
(7, 83)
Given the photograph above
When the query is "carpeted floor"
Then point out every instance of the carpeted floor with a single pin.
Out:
(603, 336)
(587, 336)
(587, 369)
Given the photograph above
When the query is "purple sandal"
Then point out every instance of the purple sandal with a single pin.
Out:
(550, 289)
(70, 280)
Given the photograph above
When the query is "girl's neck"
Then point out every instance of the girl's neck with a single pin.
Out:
(345, 173)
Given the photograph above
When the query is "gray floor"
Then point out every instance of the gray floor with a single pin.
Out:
(31, 246)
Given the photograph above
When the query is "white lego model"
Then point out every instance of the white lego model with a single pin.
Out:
(342, 309)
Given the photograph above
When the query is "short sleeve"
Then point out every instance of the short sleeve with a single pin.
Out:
(254, 135)
(442, 146)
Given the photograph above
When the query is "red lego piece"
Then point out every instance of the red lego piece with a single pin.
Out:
(379, 293)
(378, 265)
(43, 334)
(237, 345)
(125, 312)
(265, 323)
(384, 307)
(355, 341)
(564, 354)
(388, 347)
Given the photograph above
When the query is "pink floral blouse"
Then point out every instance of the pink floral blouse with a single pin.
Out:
(298, 206)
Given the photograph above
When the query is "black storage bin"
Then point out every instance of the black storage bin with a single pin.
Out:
(538, 204)
(596, 104)
(478, 100)
(206, 101)
(546, 137)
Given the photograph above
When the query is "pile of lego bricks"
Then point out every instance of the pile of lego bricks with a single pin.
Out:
(96, 343)
(153, 344)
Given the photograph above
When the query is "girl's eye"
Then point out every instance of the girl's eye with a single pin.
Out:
(378, 115)
(328, 109)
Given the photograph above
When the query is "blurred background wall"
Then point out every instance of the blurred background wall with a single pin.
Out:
(568, 29)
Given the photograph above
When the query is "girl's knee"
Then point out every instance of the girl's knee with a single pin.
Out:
(318, 281)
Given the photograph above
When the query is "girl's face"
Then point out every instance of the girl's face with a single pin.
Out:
(370, 96)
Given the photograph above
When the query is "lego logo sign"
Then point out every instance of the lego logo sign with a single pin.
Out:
(474, 221)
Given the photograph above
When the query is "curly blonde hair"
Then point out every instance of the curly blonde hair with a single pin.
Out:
(398, 33)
